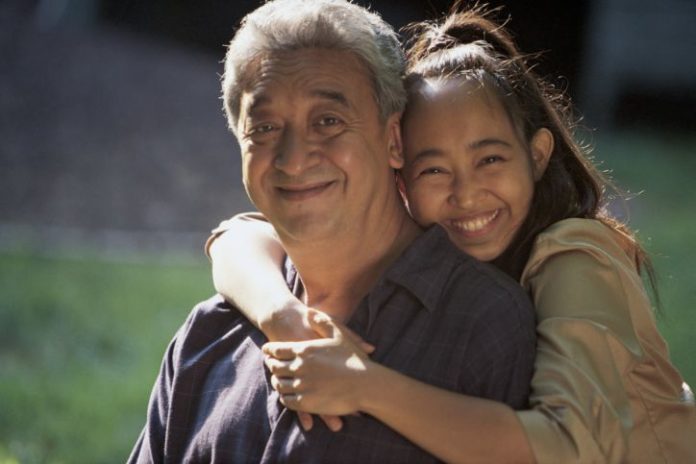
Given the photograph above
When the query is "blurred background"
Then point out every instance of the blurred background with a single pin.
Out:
(115, 161)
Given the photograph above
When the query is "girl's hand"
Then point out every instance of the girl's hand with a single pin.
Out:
(287, 322)
(323, 376)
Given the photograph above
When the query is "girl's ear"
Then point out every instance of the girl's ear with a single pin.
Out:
(541, 149)
(395, 147)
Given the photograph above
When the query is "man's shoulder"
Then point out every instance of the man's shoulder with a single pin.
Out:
(209, 322)
(488, 291)
(435, 266)
(214, 311)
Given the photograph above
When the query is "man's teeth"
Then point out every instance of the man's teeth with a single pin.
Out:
(477, 224)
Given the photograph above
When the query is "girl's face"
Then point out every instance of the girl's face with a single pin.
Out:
(466, 167)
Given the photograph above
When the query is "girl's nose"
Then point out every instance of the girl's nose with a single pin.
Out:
(466, 191)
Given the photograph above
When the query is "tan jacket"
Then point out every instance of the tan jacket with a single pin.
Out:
(604, 389)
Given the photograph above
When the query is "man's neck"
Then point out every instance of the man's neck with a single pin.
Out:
(337, 273)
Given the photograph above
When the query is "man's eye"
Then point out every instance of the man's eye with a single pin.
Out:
(262, 129)
(329, 121)
(260, 132)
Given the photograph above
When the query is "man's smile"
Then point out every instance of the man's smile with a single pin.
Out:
(302, 192)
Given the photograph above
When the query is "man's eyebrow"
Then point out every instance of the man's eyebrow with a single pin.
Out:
(256, 101)
(332, 95)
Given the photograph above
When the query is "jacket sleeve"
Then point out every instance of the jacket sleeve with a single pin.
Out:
(586, 346)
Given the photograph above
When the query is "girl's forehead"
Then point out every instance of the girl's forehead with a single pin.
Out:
(459, 107)
(461, 86)
(456, 93)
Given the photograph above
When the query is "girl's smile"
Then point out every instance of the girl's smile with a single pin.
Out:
(475, 226)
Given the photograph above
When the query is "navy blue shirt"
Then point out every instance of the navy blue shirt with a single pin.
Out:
(436, 315)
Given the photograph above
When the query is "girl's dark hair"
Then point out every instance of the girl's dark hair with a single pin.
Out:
(468, 44)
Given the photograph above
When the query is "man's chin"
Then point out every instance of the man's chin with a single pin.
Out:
(308, 227)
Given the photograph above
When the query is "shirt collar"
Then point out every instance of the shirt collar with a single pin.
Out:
(424, 268)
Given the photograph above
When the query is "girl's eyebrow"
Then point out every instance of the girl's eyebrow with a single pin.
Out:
(488, 142)
(427, 153)
(477, 144)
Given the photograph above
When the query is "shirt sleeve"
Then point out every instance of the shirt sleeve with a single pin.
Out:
(149, 448)
(586, 345)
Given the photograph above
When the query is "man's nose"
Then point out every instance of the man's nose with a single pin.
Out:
(294, 153)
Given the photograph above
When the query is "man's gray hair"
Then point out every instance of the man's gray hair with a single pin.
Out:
(285, 25)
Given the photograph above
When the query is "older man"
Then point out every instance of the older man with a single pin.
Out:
(313, 93)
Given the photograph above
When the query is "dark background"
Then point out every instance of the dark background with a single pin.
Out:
(112, 135)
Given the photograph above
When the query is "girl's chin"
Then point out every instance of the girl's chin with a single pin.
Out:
(482, 252)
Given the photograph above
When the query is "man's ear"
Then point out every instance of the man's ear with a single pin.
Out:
(402, 187)
(395, 146)
(541, 148)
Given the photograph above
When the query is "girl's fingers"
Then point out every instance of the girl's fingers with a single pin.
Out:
(306, 420)
(334, 423)
(285, 385)
(280, 350)
(279, 368)
(328, 328)
(321, 323)
(291, 400)
(357, 339)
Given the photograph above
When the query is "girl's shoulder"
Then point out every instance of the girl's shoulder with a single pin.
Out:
(584, 236)
(585, 270)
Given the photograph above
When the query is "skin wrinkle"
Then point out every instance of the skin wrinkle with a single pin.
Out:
(272, 70)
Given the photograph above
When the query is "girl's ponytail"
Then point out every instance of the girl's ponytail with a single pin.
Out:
(467, 27)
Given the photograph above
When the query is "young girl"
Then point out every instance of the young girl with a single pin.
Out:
(490, 157)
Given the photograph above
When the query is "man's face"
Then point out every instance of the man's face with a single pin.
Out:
(315, 155)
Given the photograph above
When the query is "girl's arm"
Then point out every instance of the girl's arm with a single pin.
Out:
(333, 376)
(247, 259)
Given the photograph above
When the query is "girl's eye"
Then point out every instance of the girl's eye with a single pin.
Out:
(431, 171)
(491, 159)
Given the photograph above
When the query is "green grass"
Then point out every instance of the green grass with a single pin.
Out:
(659, 170)
(80, 346)
(81, 340)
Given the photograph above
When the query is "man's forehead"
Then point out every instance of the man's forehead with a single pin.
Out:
(261, 96)
(308, 74)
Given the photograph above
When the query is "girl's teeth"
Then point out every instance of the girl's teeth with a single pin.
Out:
(477, 224)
